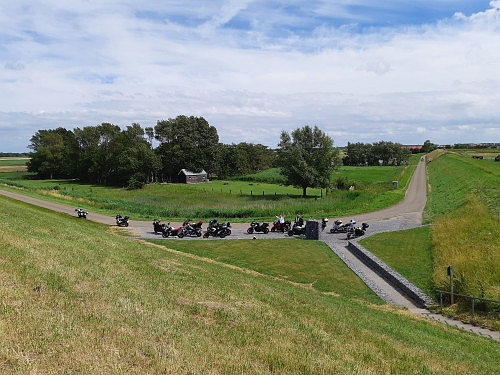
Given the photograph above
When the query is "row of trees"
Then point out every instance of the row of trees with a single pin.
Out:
(379, 153)
(106, 154)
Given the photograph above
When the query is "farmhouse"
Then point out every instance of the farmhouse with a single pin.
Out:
(188, 177)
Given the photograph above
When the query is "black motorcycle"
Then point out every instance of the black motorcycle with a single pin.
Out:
(297, 230)
(81, 213)
(278, 227)
(193, 229)
(216, 229)
(122, 221)
(258, 227)
(355, 232)
(158, 226)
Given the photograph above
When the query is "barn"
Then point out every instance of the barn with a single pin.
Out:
(188, 177)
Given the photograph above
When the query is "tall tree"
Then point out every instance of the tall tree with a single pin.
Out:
(187, 142)
(55, 153)
(307, 158)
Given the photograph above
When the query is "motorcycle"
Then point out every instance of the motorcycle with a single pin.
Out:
(278, 227)
(192, 229)
(355, 232)
(81, 213)
(258, 227)
(122, 221)
(340, 227)
(297, 230)
(158, 227)
(324, 223)
(174, 232)
(216, 229)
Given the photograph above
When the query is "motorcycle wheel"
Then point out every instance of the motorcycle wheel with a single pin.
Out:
(266, 230)
(222, 235)
(180, 234)
(198, 234)
(164, 235)
(287, 228)
(250, 230)
(228, 232)
(290, 233)
(273, 229)
(206, 235)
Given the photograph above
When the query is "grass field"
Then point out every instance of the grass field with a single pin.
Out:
(228, 200)
(464, 209)
(76, 298)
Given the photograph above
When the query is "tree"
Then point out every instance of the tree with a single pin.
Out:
(55, 153)
(428, 146)
(307, 158)
(186, 142)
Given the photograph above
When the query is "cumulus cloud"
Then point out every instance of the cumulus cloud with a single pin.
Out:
(361, 71)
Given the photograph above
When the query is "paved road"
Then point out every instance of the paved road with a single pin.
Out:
(405, 215)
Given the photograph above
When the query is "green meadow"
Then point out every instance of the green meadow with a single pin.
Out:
(76, 297)
(233, 200)
(463, 208)
(79, 297)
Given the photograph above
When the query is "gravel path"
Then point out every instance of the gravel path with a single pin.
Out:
(405, 215)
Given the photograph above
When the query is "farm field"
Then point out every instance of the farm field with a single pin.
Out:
(76, 298)
(13, 164)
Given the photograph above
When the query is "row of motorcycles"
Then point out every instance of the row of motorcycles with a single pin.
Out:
(298, 228)
(350, 228)
(121, 221)
(188, 228)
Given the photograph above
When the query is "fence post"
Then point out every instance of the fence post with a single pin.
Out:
(449, 271)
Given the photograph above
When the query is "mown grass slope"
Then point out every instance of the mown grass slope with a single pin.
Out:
(77, 298)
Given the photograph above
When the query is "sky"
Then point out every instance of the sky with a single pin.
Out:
(361, 70)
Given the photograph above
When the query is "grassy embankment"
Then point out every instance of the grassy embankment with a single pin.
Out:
(228, 200)
(76, 298)
(464, 209)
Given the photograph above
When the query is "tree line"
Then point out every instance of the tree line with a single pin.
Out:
(378, 153)
(106, 154)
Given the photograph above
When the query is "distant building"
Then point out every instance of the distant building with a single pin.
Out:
(188, 177)
(413, 147)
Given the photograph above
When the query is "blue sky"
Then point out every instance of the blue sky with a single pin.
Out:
(362, 71)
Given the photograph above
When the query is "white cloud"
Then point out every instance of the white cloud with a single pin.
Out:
(251, 68)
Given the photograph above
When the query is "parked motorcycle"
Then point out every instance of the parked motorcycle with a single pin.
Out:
(216, 229)
(355, 232)
(297, 230)
(324, 223)
(258, 227)
(278, 227)
(193, 229)
(122, 221)
(340, 227)
(174, 232)
(158, 226)
(81, 213)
